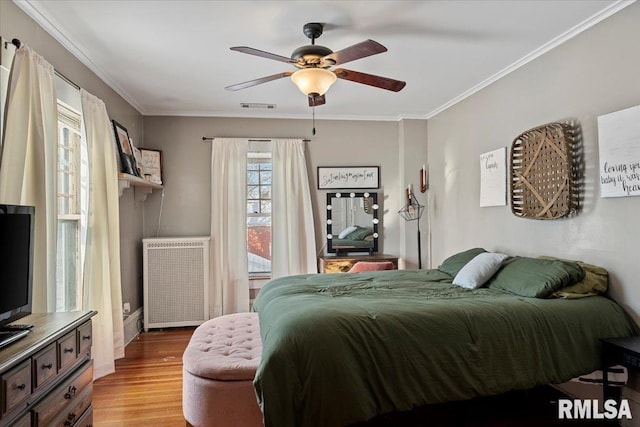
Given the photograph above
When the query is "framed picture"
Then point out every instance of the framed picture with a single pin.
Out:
(138, 158)
(151, 165)
(348, 177)
(125, 148)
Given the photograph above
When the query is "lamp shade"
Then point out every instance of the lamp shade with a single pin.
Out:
(412, 210)
(313, 80)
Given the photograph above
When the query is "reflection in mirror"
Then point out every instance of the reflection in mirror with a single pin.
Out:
(352, 222)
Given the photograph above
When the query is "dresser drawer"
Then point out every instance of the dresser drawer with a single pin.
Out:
(16, 386)
(45, 365)
(67, 350)
(71, 415)
(85, 339)
(64, 396)
(86, 420)
(23, 421)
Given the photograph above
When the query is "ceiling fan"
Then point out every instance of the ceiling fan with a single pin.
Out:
(314, 76)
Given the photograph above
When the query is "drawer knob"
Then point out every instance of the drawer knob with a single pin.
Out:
(68, 350)
(86, 337)
(21, 386)
(70, 419)
(71, 392)
(47, 366)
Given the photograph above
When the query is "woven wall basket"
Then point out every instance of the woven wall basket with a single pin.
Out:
(542, 173)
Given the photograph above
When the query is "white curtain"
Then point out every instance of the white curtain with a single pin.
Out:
(29, 162)
(293, 243)
(101, 280)
(229, 265)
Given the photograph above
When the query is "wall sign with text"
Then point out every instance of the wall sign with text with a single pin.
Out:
(348, 177)
(619, 146)
(493, 178)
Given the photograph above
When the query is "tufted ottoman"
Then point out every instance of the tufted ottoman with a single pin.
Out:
(218, 369)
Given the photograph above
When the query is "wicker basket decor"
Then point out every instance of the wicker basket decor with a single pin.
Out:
(542, 173)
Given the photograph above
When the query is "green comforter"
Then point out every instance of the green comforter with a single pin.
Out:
(342, 348)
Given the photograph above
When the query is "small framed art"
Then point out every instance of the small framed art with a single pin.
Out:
(125, 148)
(152, 165)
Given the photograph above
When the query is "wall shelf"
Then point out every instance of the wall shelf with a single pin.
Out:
(140, 186)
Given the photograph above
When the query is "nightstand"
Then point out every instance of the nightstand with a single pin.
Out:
(618, 351)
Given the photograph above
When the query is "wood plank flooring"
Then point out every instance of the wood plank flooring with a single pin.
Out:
(146, 389)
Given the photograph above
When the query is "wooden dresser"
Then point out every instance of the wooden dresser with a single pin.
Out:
(343, 263)
(46, 377)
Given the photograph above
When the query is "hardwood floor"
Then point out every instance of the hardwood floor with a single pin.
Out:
(146, 389)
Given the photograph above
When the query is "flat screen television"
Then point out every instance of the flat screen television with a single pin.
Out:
(16, 261)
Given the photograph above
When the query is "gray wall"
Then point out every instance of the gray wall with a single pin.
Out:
(593, 74)
(187, 166)
(16, 24)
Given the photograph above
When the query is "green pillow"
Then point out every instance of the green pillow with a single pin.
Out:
(596, 281)
(454, 263)
(536, 277)
(360, 233)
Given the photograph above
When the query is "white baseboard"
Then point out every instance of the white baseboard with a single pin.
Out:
(131, 330)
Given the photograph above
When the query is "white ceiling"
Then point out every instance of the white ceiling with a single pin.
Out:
(172, 57)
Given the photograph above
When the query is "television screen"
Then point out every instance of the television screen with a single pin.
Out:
(16, 241)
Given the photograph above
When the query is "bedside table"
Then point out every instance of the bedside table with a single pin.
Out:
(618, 351)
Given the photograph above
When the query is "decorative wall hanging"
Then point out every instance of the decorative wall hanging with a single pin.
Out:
(543, 173)
(619, 143)
(424, 179)
(493, 178)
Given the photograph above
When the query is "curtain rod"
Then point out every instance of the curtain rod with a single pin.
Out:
(211, 138)
(17, 43)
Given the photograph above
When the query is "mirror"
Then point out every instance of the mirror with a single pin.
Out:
(352, 222)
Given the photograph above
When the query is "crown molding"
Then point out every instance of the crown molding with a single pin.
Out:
(567, 35)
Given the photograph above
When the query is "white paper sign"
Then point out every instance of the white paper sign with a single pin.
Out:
(493, 178)
(619, 146)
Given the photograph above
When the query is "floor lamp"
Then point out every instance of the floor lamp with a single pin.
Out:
(412, 211)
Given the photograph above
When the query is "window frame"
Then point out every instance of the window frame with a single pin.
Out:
(70, 120)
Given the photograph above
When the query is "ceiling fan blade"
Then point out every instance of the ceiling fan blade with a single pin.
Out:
(315, 100)
(263, 54)
(256, 82)
(356, 51)
(370, 79)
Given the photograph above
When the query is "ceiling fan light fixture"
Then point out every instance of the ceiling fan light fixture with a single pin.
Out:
(313, 80)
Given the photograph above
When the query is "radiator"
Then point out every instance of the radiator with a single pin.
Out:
(175, 281)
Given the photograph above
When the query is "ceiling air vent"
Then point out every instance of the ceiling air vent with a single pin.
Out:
(257, 105)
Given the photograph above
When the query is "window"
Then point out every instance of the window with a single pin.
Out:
(68, 265)
(72, 173)
(259, 213)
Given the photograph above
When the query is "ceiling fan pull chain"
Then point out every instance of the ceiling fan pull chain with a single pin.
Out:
(313, 115)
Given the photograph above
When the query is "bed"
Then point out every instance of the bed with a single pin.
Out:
(341, 349)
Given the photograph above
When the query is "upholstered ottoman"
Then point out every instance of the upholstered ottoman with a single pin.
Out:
(218, 369)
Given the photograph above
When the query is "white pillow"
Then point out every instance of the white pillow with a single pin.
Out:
(344, 233)
(476, 272)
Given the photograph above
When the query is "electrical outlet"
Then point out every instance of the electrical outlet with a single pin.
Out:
(127, 308)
